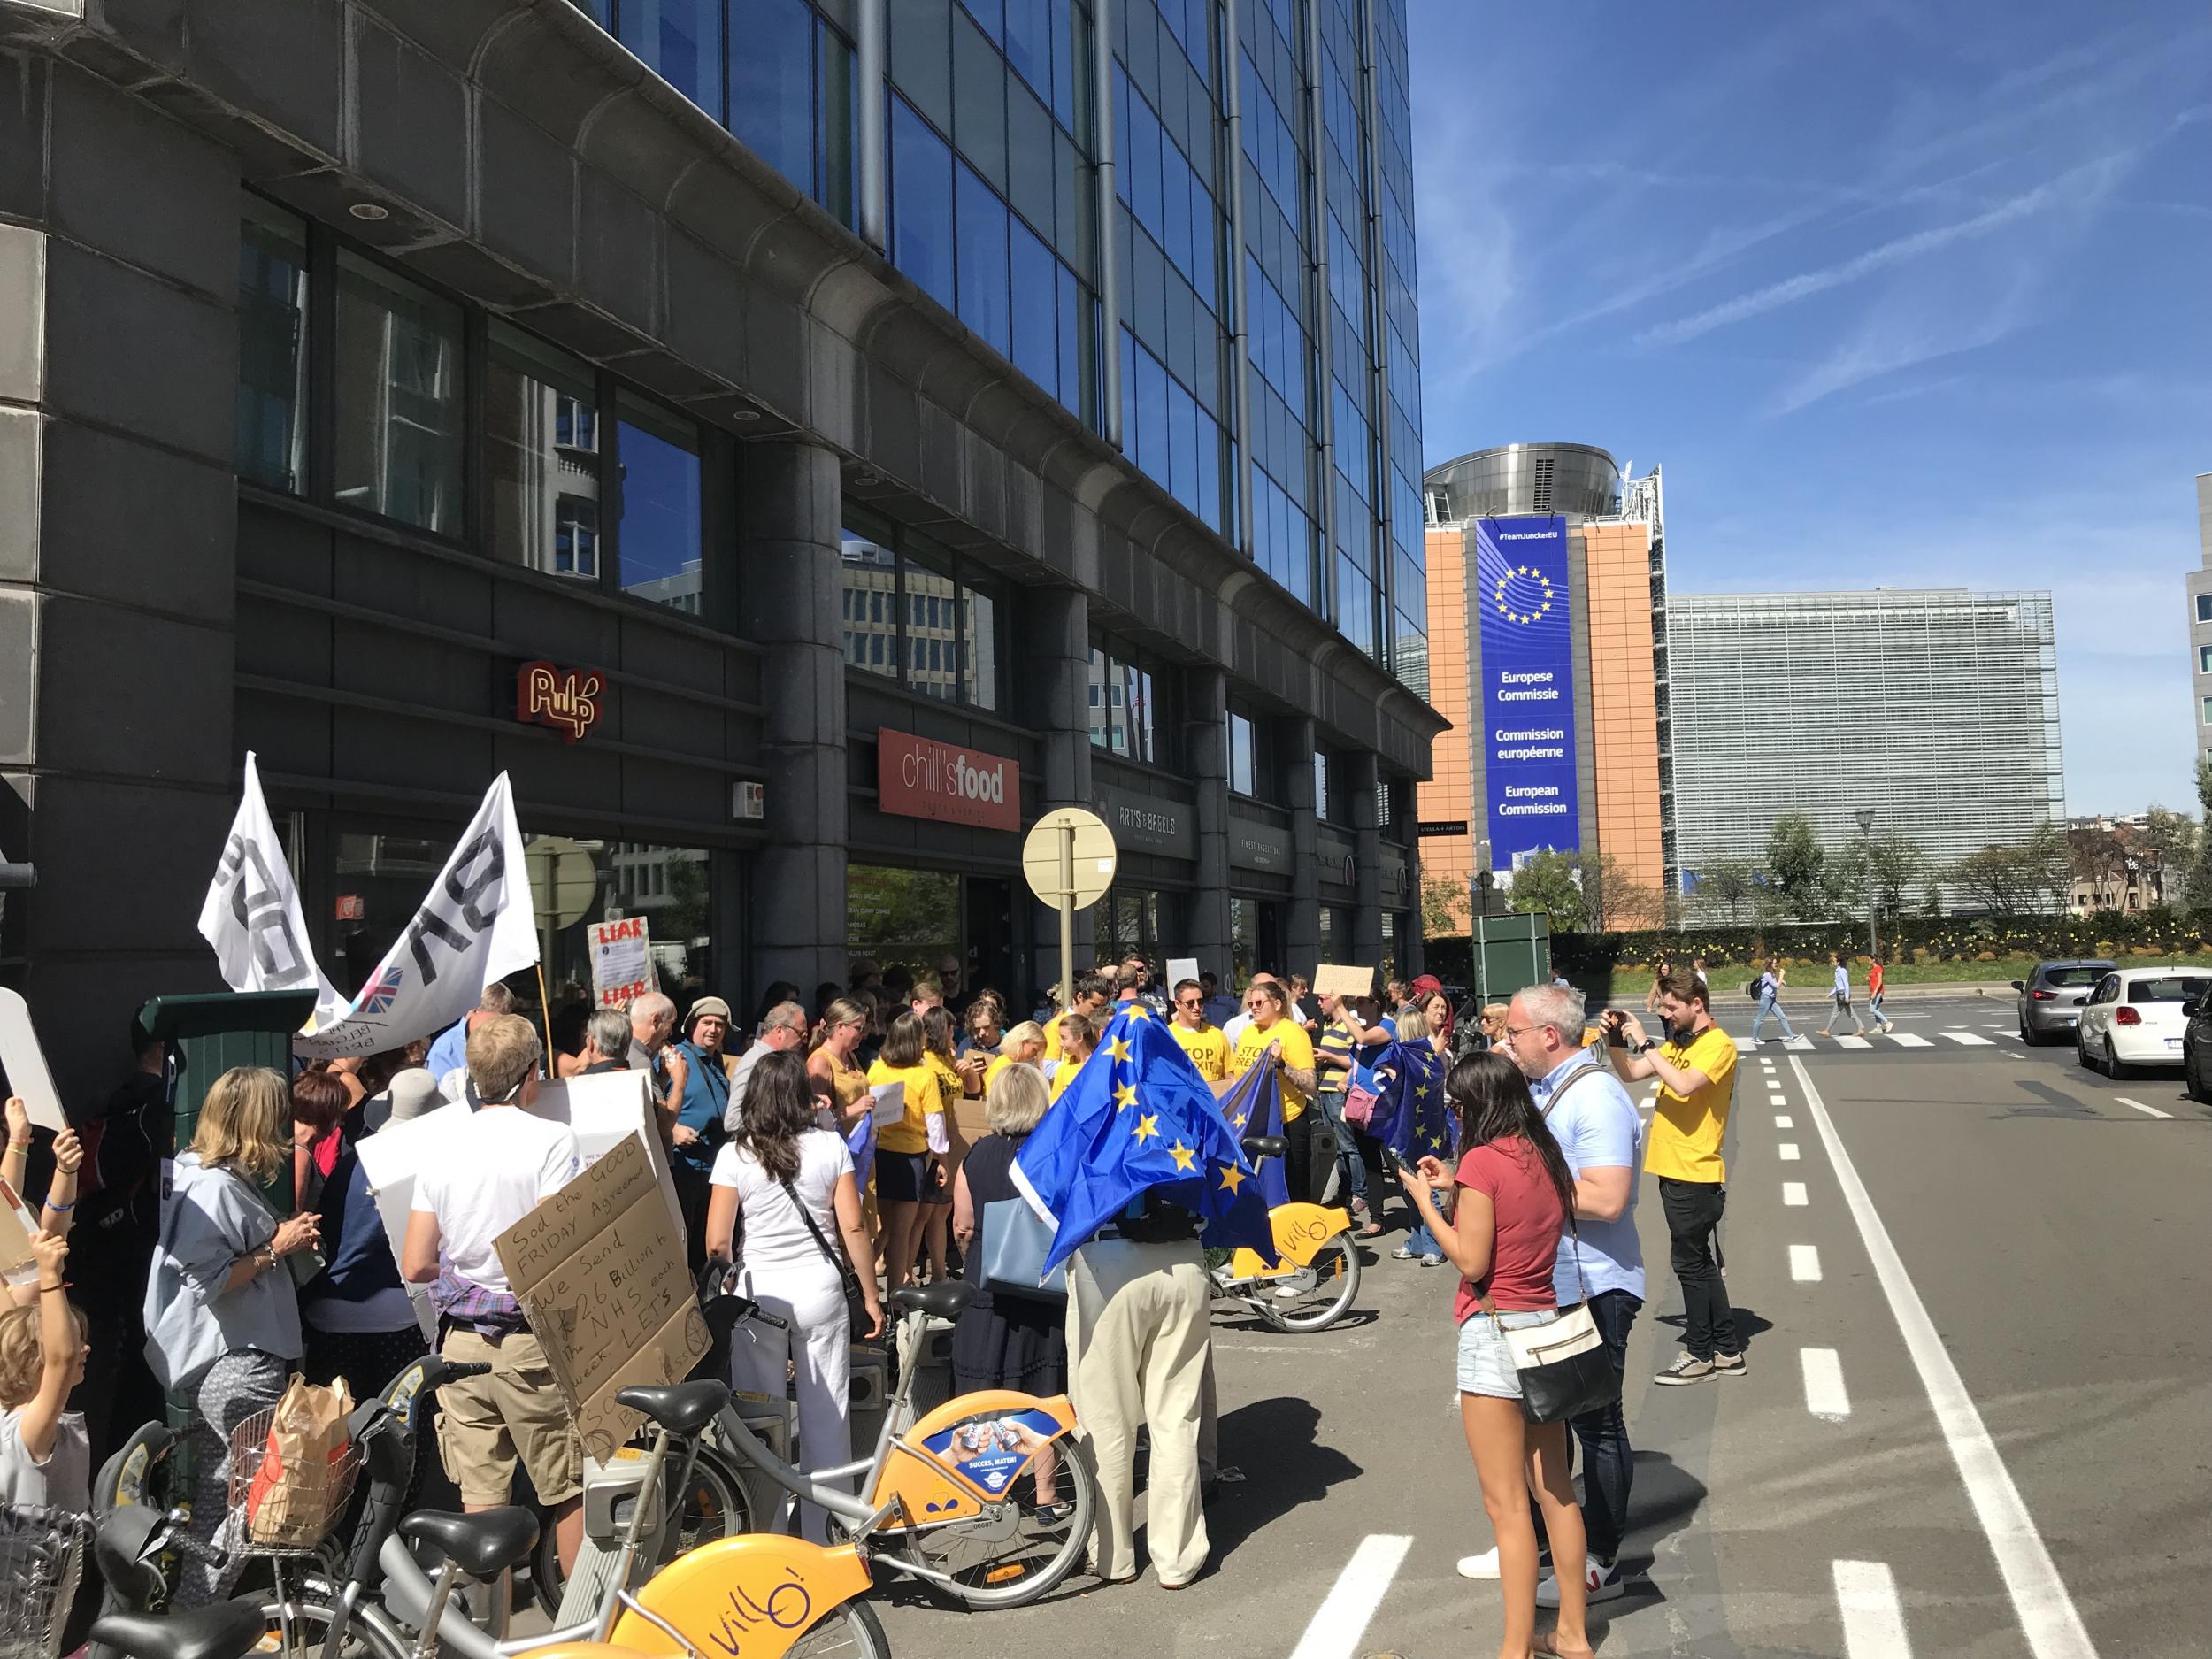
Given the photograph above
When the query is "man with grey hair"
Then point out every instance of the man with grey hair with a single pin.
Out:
(652, 1022)
(1597, 1126)
(782, 1029)
(606, 1042)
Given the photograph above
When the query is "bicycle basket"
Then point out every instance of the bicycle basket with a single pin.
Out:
(287, 1489)
(42, 1553)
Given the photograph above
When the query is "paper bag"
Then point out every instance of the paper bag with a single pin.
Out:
(299, 1485)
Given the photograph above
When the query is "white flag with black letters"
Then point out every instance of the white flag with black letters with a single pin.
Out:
(477, 924)
(252, 912)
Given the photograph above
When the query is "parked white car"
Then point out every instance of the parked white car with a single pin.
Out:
(2134, 1018)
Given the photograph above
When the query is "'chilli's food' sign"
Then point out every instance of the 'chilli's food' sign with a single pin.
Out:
(916, 777)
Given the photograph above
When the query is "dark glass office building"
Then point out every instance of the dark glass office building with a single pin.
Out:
(859, 394)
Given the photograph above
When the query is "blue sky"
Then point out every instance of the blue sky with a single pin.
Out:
(1899, 294)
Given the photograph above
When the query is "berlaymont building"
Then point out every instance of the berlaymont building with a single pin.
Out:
(799, 443)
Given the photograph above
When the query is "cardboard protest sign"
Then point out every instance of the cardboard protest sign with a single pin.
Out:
(18, 1265)
(599, 1268)
(1328, 981)
(25, 1064)
(621, 961)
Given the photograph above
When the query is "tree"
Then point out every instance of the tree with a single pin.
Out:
(2170, 840)
(1793, 864)
(1443, 906)
(2044, 870)
(1552, 882)
(1893, 864)
(1730, 881)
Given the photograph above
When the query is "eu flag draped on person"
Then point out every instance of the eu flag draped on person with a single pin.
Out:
(1255, 1107)
(1411, 1117)
(1138, 1120)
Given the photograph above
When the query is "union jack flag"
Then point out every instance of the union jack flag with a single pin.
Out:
(380, 993)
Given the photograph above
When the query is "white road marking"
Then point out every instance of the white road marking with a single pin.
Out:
(1852, 1042)
(1786, 1151)
(1825, 1394)
(1782, 1121)
(1342, 1617)
(2148, 1111)
(2048, 1618)
(1794, 1194)
(1970, 1039)
(1799, 1044)
(1805, 1264)
(2009, 1036)
(1873, 1618)
(1910, 1040)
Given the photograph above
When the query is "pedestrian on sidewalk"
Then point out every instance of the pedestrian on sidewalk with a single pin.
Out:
(1514, 1191)
(1839, 998)
(1659, 971)
(1766, 990)
(1874, 982)
(1697, 1082)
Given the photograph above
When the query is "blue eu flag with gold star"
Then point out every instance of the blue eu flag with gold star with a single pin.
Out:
(1410, 1116)
(1138, 1120)
(1255, 1107)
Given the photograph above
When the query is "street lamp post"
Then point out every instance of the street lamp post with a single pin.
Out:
(1865, 815)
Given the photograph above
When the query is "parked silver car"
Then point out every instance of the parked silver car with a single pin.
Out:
(2051, 997)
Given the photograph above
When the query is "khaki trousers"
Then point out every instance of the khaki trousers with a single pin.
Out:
(1142, 1311)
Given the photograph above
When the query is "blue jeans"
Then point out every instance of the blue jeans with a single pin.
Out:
(1770, 1005)
(1351, 1167)
(1421, 1241)
(1609, 1467)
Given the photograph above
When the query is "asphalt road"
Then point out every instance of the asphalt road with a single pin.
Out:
(2001, 1444)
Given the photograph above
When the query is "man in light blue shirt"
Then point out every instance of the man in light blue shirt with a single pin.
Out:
(1597, 1126)
(450, 1053)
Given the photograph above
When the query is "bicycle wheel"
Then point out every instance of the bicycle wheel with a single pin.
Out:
(715, 1506)
(299, 1625)
(850, 1631)
(1016, 1551)
(1335, 1271)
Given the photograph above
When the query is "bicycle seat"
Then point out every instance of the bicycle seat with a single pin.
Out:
(227, 1629)
(686, 1408)
(944, 1300)
(482, 1545)
(1264, 1146)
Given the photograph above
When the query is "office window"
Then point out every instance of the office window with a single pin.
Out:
(271, 419)
(870, 571)
(2204, 659)
(1243, 778)
(660, 504)
(398, 449)
(978, 647)
(921, 205)
(2207, 710)
(931, 669)
(981, 229)
(541, 456)
(1321, 784)
(1125, 692)
(681, 42)
(1036, 292)
(772, 84)
(939, 623)
(2204, 607)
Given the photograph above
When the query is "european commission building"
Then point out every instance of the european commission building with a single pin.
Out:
(1938, 708)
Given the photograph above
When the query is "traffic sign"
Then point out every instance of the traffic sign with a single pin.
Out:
(1072, 850)
(563, 881)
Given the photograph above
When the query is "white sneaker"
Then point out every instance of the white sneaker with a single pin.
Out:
(1602, 1583)
(1296, 1284)
(1482, 1566)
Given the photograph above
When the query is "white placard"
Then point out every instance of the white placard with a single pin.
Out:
(25, 1063)
(890, 1105)
(621, 962)
(1179, 968)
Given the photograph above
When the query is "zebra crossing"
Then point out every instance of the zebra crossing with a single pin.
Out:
(1805, 1043)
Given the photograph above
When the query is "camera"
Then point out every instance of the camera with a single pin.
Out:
(1615, 1028)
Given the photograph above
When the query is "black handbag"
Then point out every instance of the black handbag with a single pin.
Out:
(1564, 1367)
(855, 1305)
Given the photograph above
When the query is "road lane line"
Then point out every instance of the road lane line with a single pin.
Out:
(1782, 1121)
(1971, 1040)
(1909, 1040)
(1786, 1151)
(1794, 1194)
(1805, 1264)
(1825, 1394)
(1343, 1616)
(2048, 1618)
(2148, 1111)
(1873, 1618)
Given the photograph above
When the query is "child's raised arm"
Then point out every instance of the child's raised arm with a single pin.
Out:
(41, 1420)
(61, 1191)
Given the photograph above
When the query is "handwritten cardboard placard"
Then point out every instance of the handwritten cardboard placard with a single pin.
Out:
(599, 1268)
(18, 1265)
(1331, 982)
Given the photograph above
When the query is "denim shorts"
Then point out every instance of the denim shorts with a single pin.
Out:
(1485, 1363)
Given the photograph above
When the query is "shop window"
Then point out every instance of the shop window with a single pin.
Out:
(1123, 692)
(1321, 793)
(271, 439)
(398, 441)
(909, 918)
(1243, 772)
(660, 544)
(540, 457)
(978, 648)
(933, 627)
(869, 572)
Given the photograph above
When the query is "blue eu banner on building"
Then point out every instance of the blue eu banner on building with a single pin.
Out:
(1527, 704)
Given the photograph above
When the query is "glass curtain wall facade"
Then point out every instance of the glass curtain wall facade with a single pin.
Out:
(1939, 709)
(993, 147)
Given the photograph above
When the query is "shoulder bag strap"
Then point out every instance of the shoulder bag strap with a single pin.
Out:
(821, 1239)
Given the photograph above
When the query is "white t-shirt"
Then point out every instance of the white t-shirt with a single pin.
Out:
(490, 1168)
(775, 1237)
(63, 1482)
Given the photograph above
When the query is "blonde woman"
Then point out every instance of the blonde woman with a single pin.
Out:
(219, 1237)
(1025, 1045)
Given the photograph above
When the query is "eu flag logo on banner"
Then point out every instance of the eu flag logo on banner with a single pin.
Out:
(1411, 1117)
(1255, 1107)
(1139, 1119)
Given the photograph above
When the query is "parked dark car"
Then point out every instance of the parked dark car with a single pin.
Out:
(2196, 1048)
(2051, 997)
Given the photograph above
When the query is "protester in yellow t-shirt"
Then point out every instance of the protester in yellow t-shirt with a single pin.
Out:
(1021, 1045)
(1696, 1069)
(903, 1149)
(1206, 1046)
(1093, 994)
(1266, 1001)
(1078, 1040)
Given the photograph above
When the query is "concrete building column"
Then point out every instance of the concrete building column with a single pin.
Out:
(119, 505)
(1206, 754)
(1294, 754)
(1050, 681)
(789, 512)
(1367, 939)
(1413, 952)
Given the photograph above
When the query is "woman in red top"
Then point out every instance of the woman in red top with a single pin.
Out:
(1514, 1191)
